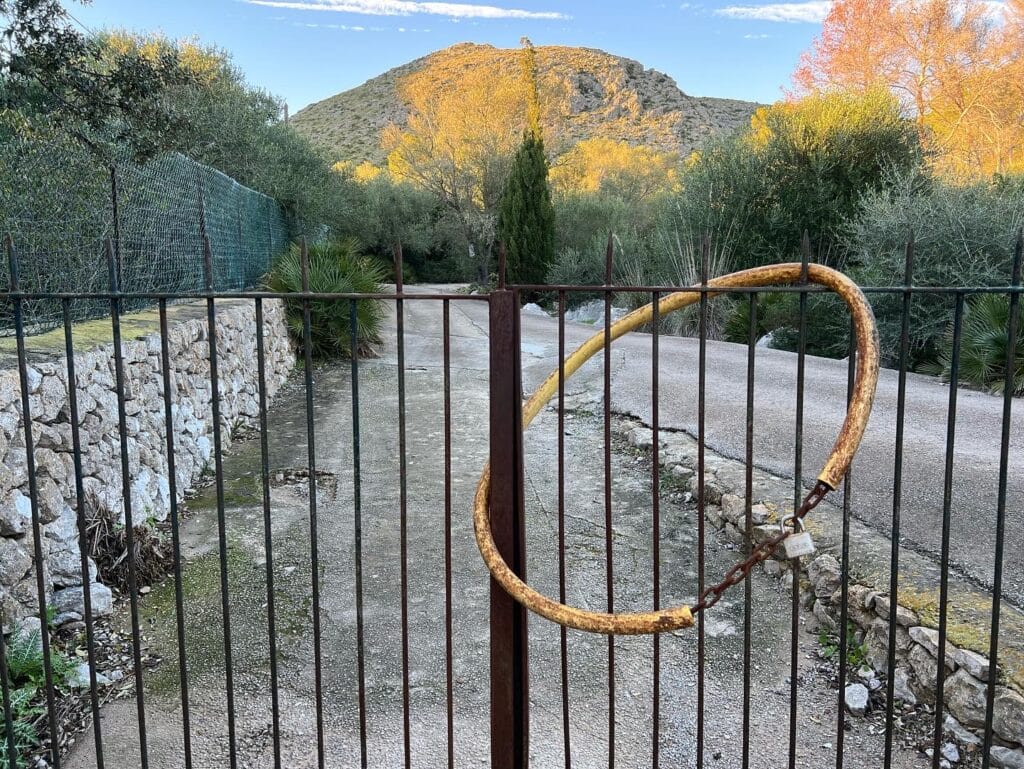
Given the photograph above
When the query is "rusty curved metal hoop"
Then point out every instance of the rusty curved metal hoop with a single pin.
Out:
(831, 474)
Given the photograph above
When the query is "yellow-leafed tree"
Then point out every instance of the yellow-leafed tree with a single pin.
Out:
(458, 141)
(605, 165)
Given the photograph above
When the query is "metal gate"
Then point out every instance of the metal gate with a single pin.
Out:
(508, 686)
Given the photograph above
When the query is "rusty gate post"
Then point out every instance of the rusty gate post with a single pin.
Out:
(509, 676)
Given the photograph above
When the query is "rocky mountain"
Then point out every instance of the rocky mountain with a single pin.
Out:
(599, 95)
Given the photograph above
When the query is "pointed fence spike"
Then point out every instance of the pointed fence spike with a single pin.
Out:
(399, 259)
(207, 262)
(705, 258)
(908, 265)
(805, 256)
(502, 265)
(304, 264)
(12, 260)
(1017, 254)
(108, 252)
(609, 256)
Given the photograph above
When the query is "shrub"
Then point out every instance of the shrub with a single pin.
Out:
(573, 267)
(802, 165)
(336, 268)
(963, 236)
(986, 326)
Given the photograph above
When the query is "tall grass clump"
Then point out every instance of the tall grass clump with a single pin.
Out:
(338, 267)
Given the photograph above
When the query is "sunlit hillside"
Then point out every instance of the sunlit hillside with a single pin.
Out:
(591, 94)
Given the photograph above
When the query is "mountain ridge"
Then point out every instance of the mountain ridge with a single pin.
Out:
(601, 95)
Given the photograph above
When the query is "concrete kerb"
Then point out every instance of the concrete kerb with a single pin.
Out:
(917, 612)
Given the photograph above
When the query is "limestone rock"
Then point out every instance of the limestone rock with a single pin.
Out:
(824, 617)
(929, 639)
(966, 736)
(857, 699)
(901, 686)
(15, 561)
(72, 599)
(1008, 715)
(950, 752)
(733, 507)
(965, 698)
(925, 668)
(824, 574)
(904, 616)
(15, 515)
(1007, 757)
(972, 662)
(876, 639)
(101, 445)
(641, 438)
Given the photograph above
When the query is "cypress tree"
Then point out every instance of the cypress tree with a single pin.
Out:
(526, 217)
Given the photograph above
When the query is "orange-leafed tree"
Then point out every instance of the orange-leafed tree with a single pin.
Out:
(955, 65)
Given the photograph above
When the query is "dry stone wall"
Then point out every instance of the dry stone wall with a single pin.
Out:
(191, 397)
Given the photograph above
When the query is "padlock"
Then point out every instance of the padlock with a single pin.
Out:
(799, 542)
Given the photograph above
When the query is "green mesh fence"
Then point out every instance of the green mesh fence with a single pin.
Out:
(58, 204)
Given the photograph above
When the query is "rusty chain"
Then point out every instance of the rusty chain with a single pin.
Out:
(761, 552)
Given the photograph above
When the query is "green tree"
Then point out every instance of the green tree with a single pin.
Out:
(526, 217)
(103, 97)
(800, 166)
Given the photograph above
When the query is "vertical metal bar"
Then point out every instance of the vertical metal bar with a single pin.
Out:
(1004, 459)
(947, 514)
(702, 355)
(748, 526)
(562, 632)
(179, 600)
(222, 535)
(655, 529)
(403, 499)
(798, 458)
(314, 536)
(11, 748)
(509, 664)
(116, 211)
(608, 540)
(268, 536)
(37, 529)
(357, 510)
(897, 499)
(126, 495)
(83, 547)
(448, 656)
(844, 603)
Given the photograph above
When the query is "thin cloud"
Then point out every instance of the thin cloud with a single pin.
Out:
(810, 12)
(756, 37)
(409, 7)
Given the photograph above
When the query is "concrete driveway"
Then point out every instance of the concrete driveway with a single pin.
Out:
(588, 695)
(978, 426)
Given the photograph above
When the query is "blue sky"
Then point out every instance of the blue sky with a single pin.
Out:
(306, 50)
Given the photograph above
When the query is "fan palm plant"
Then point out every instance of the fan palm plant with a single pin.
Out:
(334, 268)
(983, 346)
